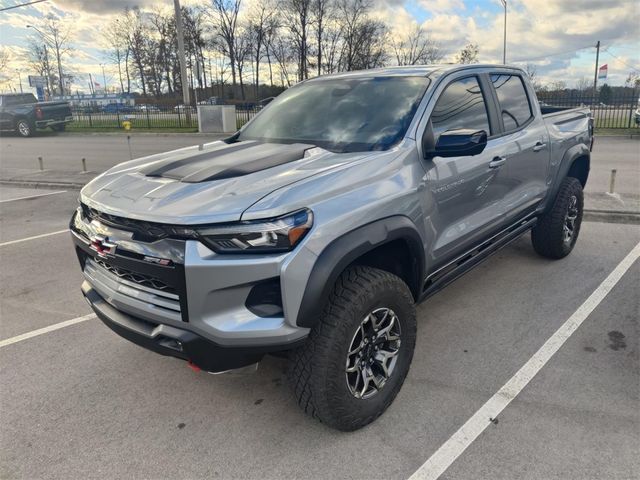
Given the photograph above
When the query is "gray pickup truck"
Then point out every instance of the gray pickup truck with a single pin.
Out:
(22, 113)
(314, 231)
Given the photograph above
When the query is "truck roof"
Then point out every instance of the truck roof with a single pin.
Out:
(412, 70)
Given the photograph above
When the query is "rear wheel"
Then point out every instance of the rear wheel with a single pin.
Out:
(24, 127)
(357, 357)
(557, 231)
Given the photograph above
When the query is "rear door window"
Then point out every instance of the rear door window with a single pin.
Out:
(460, 106)
(513, 101)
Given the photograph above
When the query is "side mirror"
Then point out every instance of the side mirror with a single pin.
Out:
(458, 143)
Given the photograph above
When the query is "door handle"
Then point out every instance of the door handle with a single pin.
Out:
(497, 162)
(539, 146)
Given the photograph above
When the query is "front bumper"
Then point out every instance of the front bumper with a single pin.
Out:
(175, 342)
(144, 289)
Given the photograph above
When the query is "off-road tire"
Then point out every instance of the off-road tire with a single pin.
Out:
(548, 236)
(317, 369)
(58, 128)
(25, 128)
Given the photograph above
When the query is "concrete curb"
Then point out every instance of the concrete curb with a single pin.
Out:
(42, 185)
(612, 216)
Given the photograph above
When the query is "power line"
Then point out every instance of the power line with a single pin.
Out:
(21, 5)
(553, 54)
(622, 61)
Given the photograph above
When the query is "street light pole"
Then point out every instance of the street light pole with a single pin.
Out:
(504, 44)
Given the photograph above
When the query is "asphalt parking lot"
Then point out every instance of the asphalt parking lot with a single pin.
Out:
(80, 402)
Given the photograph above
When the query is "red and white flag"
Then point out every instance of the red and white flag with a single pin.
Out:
(602, 72)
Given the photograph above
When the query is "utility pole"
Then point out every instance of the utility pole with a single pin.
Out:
(595, 76)
(504, 42)
(181, 57)
(20, 79)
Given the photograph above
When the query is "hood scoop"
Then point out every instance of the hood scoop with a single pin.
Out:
(234, 160)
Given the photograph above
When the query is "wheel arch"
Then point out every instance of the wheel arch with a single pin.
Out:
(576, 163)
(392, 244)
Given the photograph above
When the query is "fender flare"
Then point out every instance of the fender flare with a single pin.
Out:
(343, 251)
(569, 157)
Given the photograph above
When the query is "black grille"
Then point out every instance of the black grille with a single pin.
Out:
(139, 278)
(142, 230)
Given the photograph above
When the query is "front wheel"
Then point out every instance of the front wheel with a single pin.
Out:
(24, 128)
(357, 357)
(557, 231)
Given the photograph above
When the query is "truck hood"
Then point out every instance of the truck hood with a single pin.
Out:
(213, 183)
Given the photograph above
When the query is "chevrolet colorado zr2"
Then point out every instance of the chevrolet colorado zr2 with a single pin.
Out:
(315, 230)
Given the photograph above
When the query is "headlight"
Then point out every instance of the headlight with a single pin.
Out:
(275, 235)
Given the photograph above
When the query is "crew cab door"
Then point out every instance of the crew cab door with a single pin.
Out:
(463, 197)
(525, 140)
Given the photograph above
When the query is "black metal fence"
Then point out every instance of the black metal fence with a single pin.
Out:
(612, 112)
(148, 117)
(615, 112)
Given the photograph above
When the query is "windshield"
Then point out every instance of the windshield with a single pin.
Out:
(341, 115)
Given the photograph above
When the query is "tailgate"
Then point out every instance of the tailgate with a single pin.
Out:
(55, 110)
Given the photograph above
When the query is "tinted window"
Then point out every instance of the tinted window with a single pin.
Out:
(460, 106)
(28, 99)
(18, 100)
(346, 114)
(513, 100)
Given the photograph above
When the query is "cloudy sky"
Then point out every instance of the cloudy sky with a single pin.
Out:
(558, 36)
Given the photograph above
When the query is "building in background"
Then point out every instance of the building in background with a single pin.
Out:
(97, 99)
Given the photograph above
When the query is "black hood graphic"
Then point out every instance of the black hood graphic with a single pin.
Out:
(234, 160)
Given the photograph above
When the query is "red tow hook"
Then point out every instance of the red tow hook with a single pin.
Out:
(193, 366)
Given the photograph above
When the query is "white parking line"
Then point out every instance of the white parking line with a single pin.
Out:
(33, 238)
(41, 331)
(32, 196)
(449, 451)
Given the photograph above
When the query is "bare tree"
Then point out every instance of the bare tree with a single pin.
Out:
(469, 54)
(322, 13)
(557, 86)
(283, 55)
(584, 85)
(632, 80)
(225, 20)
(363, 38)
(165, 54)
(137, 35)
(297, 20)
(271, 32)
(331, 47)
(38, 57)
(4, 58)
(57, 36)
(259, 25)
(118, 51)
(242, 48)
(416, 47)
(532, 72)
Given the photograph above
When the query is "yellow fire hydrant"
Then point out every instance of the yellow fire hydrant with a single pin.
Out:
(126, 125)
